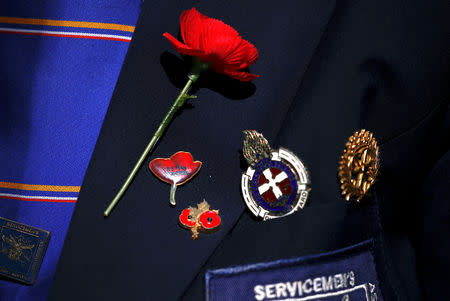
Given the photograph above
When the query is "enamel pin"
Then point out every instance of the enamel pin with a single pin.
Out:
(201, 218)
(276, 183)
(176, 170)
(359, 164)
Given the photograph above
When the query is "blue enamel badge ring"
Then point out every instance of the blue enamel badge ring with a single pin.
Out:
(276, 182)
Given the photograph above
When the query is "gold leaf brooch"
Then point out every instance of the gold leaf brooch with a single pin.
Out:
(358, 167)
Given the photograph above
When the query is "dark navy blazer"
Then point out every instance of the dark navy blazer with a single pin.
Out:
(327, 68)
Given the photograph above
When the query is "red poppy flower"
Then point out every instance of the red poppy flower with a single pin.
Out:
(186, 219)
(215, 42)
(209, 220)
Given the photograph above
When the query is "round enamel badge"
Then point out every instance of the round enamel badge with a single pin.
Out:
(276, 182)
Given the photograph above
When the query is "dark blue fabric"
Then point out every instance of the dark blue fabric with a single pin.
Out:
(434, 263)
(329, 276)
(326, 69)
(211, 130)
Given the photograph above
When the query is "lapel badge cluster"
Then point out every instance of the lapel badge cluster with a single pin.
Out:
(276, 182)
(359, 164)
(175, 170)
(212, 45)
(201, 218)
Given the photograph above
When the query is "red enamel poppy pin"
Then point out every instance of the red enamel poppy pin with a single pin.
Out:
(175, 170)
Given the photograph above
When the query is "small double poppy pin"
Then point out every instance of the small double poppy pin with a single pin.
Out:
(200, 218)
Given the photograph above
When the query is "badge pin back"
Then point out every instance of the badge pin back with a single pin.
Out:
(200, 218)
(276, 182)
(359, 165)
(176, 170)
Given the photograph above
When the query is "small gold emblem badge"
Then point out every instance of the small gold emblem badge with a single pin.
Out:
(358, 167)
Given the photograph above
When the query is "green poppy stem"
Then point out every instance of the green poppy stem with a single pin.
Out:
(178, 103)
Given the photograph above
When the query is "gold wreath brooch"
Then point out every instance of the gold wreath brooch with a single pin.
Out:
(358, 167)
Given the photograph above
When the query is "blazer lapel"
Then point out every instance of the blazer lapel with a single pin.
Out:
(140, 249)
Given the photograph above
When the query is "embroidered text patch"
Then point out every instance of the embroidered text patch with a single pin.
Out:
(343, 275)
